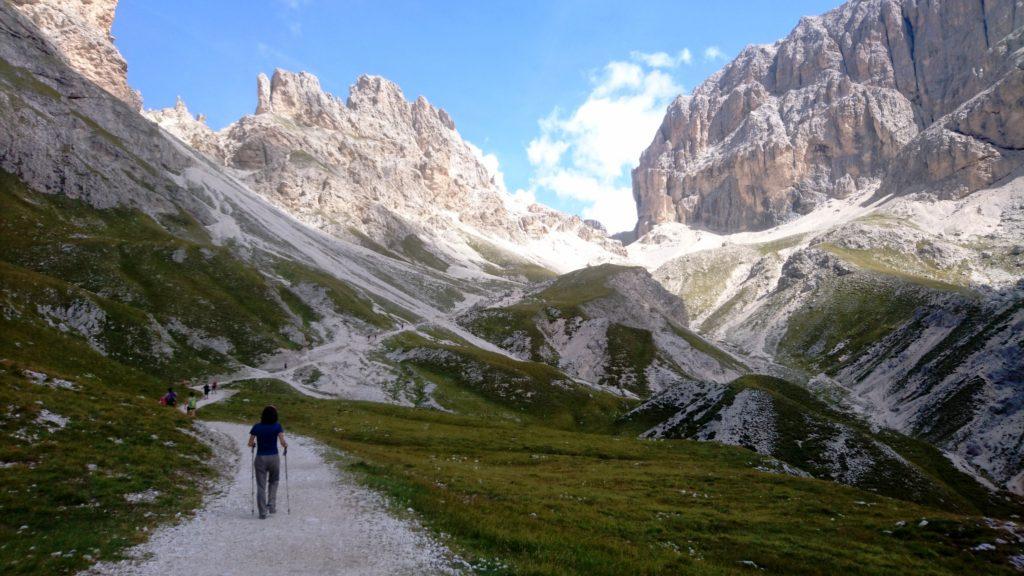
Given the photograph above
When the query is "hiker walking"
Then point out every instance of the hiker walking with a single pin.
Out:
(190, 408)
(214, 386)
(169, 399)
(206, 390)
(264, 437)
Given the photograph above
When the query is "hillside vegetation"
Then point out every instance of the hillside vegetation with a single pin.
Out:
(523, 498)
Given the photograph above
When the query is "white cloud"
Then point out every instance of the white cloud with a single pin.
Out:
(617, 76)
(490, 162)
(611, 208)
(655, 60)
(522, 199)
(712, 53)
(663, 59)
(545, 152)
(587, 155)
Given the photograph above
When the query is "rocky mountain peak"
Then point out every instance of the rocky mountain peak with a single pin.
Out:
(298, 96)
(263, 103)
(826, 111)
(375, 92)
(188, 127)
(80, 29)
(375, 164)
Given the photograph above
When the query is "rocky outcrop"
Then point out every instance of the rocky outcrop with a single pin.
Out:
(893, 91)
(911, 315)
(189, 128)
(980, 143)
(81, 31)
(60, 133)
(376, 165)
(332, 161)
(608, 325)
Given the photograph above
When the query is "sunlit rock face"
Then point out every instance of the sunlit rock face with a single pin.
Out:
(81, 31)
(909, 95)
(374, 162)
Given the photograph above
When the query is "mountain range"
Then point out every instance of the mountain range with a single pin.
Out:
(827, 266)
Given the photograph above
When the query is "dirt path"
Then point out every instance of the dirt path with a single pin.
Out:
(335, 526)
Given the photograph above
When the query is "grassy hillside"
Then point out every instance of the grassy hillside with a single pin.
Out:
(518, 498)
(843, 318)
(475, 381)
(805, 432)
(101, 310)
(805, 424)
(112, 275)
(89, 462)
(506, 264)
(908, 267)
(566, 304)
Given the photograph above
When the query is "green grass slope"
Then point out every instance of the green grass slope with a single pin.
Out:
(810, 435)
(630, 349)
(519, 498)
(101, 310)
(805, 423)
(844, 318)
(475, 381)
(63, 256)
(65, 491)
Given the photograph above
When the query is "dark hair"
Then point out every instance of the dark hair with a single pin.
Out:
(269, 415)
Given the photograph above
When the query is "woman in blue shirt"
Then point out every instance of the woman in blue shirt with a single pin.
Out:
(264, 437)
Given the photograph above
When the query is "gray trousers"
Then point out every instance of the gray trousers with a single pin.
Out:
(267, 465)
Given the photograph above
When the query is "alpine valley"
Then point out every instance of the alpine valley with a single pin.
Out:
(808, 357)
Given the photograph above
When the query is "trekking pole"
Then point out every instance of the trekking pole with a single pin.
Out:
(287, 494)
(252, 483)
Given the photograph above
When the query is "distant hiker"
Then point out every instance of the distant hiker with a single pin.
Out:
(169, 399)
(264, 437)
(206, 390)
(214, 386)
(192, 401)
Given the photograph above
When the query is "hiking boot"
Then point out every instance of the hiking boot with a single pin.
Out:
(263, 516)
(272, 510)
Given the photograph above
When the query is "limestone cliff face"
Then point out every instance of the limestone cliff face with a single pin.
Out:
(61, 133)
(915, 95)
(375, 163)
(81, 31)
(341, 162)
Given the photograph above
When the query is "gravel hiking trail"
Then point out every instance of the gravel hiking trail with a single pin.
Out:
(335, 527)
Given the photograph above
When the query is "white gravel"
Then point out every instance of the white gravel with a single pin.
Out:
(335, 527)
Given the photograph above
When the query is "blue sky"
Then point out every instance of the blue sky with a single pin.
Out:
(561, 96)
